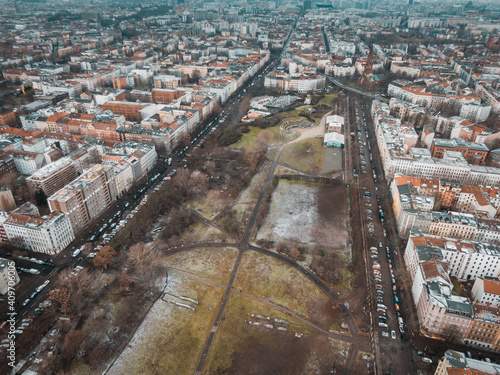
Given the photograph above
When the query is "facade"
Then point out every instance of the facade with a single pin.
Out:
(7, 164)
(87, 197)
(27, 163)
(53, 176)
(48, 234)
(8, 275)
(400, 156)
(475, 112)
(486, 291)
(141, 157)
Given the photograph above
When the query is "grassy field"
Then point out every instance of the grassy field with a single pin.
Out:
(212, 264)
(240, 348)
(306, 155)
(280, 169)
(199, 232)
(249, 140)
(171, 338)
(328, 100)
(268, 278)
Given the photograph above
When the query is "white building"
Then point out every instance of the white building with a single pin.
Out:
(48, 234)
(475, 112)
(486, 291)
(27, 163)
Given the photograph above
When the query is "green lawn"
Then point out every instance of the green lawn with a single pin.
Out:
(267, 278)
(328, 100)
(306, 155)
(249, 140)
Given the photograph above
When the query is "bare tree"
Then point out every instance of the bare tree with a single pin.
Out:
(60, 297)
(181, 180)
(244, 107)
(198, 184)
(328, 266)
(104, 257)
(263, 140)
(185, 139)
(144, 260)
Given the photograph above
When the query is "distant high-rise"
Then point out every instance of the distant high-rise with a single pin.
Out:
(410, 2)
(307, 4)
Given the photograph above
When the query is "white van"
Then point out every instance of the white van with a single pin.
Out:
(76, 253)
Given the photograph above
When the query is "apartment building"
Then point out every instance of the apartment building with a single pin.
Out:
(27, 163)
(484, 330)
(123, 176)
(7, 201)
(465, 260)
(165, 96)
(474, 153)
(141, 157)
(8, 275)
(471, 211)
(53, 176)
(131, 111)
(399, 156)
(167, 81)
(7, 164)
(454, 362)
(471, 132)
(87, 197)
(298, 82)
(431, 260)
(475, 112)
(48, 234)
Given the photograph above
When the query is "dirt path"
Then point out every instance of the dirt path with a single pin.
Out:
(311, 132)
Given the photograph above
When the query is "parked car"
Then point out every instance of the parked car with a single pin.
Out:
(393, 335)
